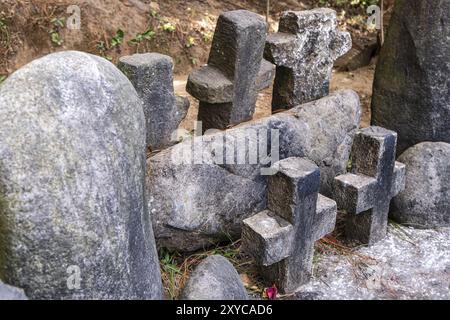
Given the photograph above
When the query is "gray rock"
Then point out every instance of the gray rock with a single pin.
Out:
(227, 87)
(195, 205)
(214, 279)
(304, 50)
(411, 92)
(425, 203)
(365, 193)
(72, 159)
(11, 293)
(151, 75)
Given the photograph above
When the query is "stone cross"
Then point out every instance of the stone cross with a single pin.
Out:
(304, 50)
(227, 87)
(376, 178)
(152, 76)
(281, 239)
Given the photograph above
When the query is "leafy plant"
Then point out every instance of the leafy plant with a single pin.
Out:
(149, 34)
(2, 78)
(207, 36)
(3, 25)
(190, 42)
(58, 22)
(118, 38)
(56, 37)
(169, 27)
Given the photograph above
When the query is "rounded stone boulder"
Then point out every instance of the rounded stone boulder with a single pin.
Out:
(74, 221)
(215, 278)
(425, 203)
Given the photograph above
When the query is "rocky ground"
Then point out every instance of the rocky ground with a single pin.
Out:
(408, 264)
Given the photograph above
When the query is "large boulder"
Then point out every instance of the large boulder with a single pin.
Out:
(411, 92)
(425, 203)
(198, 203)
(214, 278)
(72, 169)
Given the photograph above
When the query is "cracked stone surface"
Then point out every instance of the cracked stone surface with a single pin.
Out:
(408, 264)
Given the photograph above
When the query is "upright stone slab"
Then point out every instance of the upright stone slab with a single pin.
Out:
(281, 239)
(152, 76)
(304, 50)
(227, 86)
(376, 178)
(74, 220)
(411, 90)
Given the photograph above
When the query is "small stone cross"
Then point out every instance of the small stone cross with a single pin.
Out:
(304, 50)
(376, 178)
(228, 86)
(281, 239)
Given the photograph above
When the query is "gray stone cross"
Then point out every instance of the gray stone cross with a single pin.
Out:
(304, 50)
(376, 178)
(281, 239)
(228, 86)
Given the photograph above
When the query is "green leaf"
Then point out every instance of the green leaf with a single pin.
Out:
(118, 38)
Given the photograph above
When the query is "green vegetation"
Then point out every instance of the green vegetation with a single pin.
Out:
(57, 25)
(149, 34)
(117, 40)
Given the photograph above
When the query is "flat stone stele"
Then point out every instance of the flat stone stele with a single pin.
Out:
(152, 76)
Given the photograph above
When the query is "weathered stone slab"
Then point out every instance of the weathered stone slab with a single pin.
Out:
(425, 203)
(366, 193)
(214, 278)
(293, 199)
(74, 215)
(411, 92)
(152, 76)
(236, 55)
(304, 50)
(197, 204)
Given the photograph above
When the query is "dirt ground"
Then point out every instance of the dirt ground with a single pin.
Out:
(182, 29)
